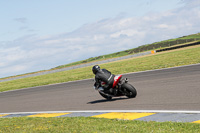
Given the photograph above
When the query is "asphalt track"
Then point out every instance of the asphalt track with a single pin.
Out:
(166, 89)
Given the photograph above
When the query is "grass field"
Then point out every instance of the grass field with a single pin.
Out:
(184, 56)
(91, 125)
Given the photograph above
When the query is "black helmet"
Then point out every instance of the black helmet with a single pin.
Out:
(95, 69)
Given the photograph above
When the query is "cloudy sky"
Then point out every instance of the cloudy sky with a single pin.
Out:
(42, 34)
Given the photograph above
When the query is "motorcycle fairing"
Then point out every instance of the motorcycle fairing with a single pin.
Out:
(116, 80)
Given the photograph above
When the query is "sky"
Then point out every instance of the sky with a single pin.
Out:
(42, 34)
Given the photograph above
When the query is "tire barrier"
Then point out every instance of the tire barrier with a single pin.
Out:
(180, 46)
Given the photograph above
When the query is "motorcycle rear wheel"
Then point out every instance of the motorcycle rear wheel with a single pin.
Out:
(129, 90)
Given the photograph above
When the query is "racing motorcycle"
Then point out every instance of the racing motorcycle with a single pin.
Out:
(120, 87)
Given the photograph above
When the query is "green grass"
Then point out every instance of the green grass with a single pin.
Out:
(91, 125)
(173, 58)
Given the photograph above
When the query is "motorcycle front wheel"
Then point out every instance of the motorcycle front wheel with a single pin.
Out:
(129, 90)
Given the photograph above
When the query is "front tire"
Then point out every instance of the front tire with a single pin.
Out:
(129, 90)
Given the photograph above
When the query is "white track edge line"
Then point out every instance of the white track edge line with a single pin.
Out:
(107, 111)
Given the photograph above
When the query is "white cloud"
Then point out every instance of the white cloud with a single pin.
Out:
(32, 52)
(163, 26)
(127, 33)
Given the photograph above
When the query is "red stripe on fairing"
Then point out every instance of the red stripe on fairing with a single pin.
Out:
(116, 80)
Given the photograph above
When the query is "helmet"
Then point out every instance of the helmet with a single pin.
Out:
(95, 69)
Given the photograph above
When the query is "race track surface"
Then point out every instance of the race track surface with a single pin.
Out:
(166, 89)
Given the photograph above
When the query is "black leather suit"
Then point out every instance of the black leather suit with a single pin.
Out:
(105, 76)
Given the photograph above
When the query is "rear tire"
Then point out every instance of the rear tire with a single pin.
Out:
(129, 90)
(105, 96)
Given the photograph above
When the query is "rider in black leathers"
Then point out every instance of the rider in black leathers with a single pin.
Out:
(103, 75)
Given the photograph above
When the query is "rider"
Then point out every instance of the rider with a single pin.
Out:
(105, 76)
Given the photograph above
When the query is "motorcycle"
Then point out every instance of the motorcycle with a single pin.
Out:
(120, 87)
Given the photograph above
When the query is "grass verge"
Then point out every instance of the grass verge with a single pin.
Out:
(184, 56)
(88, 125)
